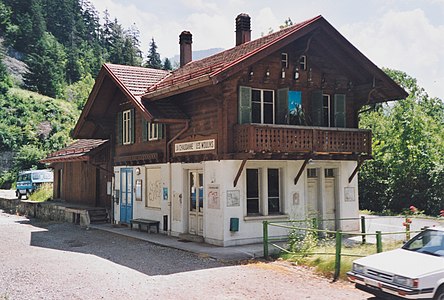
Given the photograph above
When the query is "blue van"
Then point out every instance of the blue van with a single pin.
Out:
(29, 181)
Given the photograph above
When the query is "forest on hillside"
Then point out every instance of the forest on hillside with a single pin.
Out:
(64, 43)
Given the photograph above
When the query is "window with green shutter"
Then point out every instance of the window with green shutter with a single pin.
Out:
(282, 106)
(317, 108)
(340, 108)
(244, 105)
(119, 128)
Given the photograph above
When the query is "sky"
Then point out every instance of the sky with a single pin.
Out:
(406, 35)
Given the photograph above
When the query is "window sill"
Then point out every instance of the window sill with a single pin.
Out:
(266, 218)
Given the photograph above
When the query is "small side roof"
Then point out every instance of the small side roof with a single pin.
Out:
(80, 150)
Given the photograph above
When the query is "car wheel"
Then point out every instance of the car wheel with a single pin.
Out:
(19, 195)
(439, 295)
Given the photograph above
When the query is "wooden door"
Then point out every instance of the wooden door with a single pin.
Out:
(195, 200)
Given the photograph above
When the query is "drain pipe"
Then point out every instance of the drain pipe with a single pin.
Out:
(187, 125)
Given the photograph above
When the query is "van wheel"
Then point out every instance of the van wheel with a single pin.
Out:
(27, 194)
(439, 295)
(19, 195)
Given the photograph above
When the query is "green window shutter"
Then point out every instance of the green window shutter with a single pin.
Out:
(161, 131)
(316, 108)
(244, 105)
(340, 115)
(119, 128)
(132, 122)
(282, 106)
(144, 130)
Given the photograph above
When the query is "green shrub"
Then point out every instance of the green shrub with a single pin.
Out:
(43, 193)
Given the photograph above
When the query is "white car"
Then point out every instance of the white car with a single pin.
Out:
(415, 271)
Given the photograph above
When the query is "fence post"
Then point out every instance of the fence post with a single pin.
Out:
(265, 232)
(378, 242)
(407, 228)
(364, 240)
(314, 223)
(338, 255)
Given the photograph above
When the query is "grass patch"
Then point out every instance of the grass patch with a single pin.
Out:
(322, 257)
(42, 194)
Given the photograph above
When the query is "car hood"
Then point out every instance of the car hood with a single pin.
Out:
(403, 262)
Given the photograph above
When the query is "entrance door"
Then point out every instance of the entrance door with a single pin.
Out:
(126, 195)
(330, 200)
(313, 206)
(196, 198)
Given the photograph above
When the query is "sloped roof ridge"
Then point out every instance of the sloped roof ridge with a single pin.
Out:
(219, 62)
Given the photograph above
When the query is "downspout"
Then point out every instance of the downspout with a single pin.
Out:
(187, 125)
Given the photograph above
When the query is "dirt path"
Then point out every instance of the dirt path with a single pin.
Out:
(62, 261)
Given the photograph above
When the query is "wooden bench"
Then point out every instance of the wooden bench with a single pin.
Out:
(146, 222)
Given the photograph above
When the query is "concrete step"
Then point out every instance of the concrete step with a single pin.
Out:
(191, 238)
(98, 215)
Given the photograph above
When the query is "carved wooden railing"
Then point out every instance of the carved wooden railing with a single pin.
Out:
(258, 138)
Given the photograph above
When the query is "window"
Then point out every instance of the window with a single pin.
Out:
(303, 63)
(312, 173)
(263, 191)
(326, 111)
(284, 60)
(152, 131)
(126, 124)
(262, 106)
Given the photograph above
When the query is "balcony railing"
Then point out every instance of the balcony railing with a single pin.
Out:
(258, 138)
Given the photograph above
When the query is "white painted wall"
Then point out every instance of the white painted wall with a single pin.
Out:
(222, 173)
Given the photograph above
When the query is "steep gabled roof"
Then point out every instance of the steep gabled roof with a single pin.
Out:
(220, 66)
(132, 82)
(80, 150)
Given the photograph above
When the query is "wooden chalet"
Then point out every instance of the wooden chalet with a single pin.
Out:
(266, 130)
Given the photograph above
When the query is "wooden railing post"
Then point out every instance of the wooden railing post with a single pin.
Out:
(265, 236)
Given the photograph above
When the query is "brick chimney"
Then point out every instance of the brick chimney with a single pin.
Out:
(185, 41)
(243, 31)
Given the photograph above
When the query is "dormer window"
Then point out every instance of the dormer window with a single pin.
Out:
(284, 60)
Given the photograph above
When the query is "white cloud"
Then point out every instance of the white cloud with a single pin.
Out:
(404, 40)
(200, 5)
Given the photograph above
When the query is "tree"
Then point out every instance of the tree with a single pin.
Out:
(167, 64)
(47, 67)
(153, 58)
(408, 150)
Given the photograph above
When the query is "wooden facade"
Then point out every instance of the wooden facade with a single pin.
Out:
(268, 106)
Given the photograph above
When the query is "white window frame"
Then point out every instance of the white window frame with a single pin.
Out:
(303, 62)
(262, 104)
(126, 127)
(152, 131)
(327, 108)
(284, 60)
(263, 191)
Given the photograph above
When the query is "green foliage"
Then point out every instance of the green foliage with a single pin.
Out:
(43, 193)
(408, 150)
(78, 92)
(153, 57)
(167, 64)
(28, 158)
(47, 67)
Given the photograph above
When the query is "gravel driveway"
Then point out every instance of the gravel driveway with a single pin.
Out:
(62, 261)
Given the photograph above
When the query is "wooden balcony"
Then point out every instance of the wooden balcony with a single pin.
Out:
(256, 138)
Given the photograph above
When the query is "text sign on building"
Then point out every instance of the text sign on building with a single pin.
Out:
(195, 146)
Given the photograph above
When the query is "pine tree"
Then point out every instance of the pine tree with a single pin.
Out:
(153, 58)
(167, 64)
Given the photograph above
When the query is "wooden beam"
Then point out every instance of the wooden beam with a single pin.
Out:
(355, 171)
(296, 179)
(239, 172)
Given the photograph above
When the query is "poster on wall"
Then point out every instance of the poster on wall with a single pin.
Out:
(153, 188)
(296, 114)
(138, 190)
(349, 193)
(233, 198)
(213, 196)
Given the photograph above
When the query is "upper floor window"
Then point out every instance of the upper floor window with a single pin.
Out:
(328, 110)
(152, 131)
(256, 106)
(303, 62)
(263, 191)
(125, 131)
(284, 60)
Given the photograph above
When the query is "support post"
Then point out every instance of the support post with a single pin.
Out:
(378, 242)
(364, 239)
(338, 255)
(265, 237)
(239, 172)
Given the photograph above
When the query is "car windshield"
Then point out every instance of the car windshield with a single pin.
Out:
(429, 242)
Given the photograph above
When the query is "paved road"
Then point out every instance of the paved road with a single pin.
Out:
(62, 261)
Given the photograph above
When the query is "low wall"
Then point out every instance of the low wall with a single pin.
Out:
(45, 211)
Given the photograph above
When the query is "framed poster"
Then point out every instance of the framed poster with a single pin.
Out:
(213, 196)
(233, 198)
